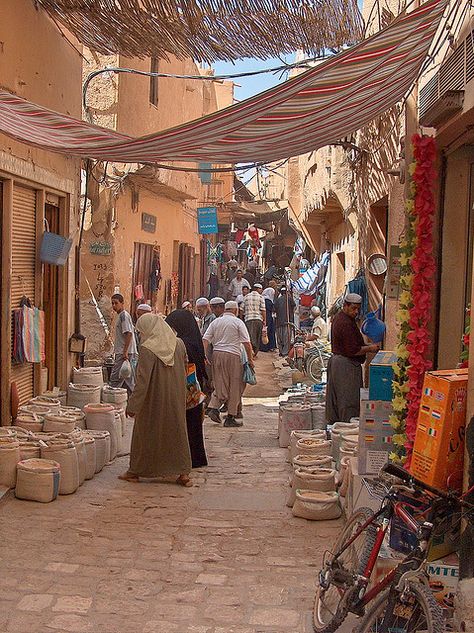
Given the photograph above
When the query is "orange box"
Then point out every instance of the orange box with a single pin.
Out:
(439, 442)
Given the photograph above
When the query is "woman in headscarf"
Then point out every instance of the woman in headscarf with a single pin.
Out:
(158, 403)
(186, 328)
(269, 295)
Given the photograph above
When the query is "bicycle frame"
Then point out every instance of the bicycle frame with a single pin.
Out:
(386, 512)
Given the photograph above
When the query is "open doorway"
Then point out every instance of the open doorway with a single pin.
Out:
(51, 291)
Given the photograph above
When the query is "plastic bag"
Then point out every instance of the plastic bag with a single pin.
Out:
(125, 370)
(249, 376)
(194, 395)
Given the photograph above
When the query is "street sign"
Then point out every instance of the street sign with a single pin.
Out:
(148, 222)
(207, 220)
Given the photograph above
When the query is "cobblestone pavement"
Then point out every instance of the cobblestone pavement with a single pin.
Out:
(225, 556)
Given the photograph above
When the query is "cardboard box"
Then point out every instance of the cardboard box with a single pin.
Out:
(438, 450)
(444, 577)
(375, 435)
(359, 490)
(381, 376)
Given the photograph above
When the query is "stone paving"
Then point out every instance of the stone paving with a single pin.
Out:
(225, 556)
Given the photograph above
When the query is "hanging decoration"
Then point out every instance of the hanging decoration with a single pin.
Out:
(464, 360)
(416, 283)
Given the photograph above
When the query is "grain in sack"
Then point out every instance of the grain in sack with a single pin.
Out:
(313, 447)
(54, 423)
(31, 422)
(344, 475)
(40, 409)
(318, 416)
(303, 434)
(317, 506)
(312, 461)
(76, 413)
(89, 445)
(322, 479)
(64, 452)
(46, 401)
(115, 395)
(30, 449)
(9, 458)
(88, 376)
(292, 417)
(336, 430)
(57, 394)
(102, 448)
(38, 480)
(80, 395)
(101, 417)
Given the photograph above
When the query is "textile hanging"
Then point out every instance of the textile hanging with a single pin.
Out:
(311, 110)
(28, 335)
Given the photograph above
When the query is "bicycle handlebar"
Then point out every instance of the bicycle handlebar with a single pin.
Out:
(404, 475)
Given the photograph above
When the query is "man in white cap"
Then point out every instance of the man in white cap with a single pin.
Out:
(206, 316)
(345, 365)
(143, 308)
(187, 305)
(217, 305)
(255, 316)
(226, 335)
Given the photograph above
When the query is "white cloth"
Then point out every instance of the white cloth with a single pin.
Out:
(226, 334)
(158, 337)
(269, 293)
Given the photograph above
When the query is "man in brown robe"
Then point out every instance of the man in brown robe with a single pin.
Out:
(160, 445)
(345, 365)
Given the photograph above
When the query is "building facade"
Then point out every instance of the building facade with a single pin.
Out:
(37, 186)
(141, 234)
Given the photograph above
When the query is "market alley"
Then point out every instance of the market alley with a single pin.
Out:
(223, 556)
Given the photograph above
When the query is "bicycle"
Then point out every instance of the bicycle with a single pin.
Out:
(402, 600)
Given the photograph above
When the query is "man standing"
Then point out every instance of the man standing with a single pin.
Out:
(206, 316)
(237, 284)
(125, 346)
(345, 365)
(250, 273)
(284, 306)
(226, 335)
(255, 316)
(217, 306)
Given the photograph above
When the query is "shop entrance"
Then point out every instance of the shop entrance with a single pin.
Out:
(145, 274)
(51, 292)
(186, 274)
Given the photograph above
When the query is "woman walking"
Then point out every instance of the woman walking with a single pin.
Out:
(186, 328)
(159, 442)
(269, 295)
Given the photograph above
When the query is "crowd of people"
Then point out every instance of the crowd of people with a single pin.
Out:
(193, 363)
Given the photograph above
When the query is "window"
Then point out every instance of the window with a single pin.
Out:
(154, 82)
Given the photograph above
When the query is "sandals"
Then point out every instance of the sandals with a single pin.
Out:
(184, 480)
(129, 477)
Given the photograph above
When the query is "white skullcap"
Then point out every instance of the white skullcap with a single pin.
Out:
(315, 311)
(257, 286)
(185, 304)
(216, 301)
(233, 262)
(353, 297)
(144, 307)
(231, 305)
(202, 301)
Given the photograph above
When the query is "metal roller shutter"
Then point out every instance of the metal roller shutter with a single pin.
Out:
(23, 272)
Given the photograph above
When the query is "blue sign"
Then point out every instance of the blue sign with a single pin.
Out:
(207, 220)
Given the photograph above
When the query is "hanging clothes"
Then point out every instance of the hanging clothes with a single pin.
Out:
(359, 286)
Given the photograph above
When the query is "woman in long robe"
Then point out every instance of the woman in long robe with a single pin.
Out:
(159, 442)
(186, 328)
(269, 295)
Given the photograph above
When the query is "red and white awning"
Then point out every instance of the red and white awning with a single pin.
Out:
(314, 109)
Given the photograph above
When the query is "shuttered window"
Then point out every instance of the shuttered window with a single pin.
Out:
(23, 272)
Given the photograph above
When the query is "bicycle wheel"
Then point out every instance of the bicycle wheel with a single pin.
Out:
(414, 610)
(336, 580)
(314, 367)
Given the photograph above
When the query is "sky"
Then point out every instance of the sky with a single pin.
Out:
(250, 86)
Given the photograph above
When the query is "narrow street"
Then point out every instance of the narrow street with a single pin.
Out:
(225, 556)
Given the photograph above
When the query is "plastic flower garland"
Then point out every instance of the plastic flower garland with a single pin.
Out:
(416, 282)
(466, 339)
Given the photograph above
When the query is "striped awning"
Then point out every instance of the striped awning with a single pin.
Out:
(314, 109)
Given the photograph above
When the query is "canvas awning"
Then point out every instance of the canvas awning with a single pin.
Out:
(209, 30)
(314, 109)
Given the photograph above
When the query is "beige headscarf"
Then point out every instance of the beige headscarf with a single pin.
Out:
(158, 337)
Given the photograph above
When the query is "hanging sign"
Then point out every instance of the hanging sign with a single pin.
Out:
(207, 220)
(148, 223)
(393, 277)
